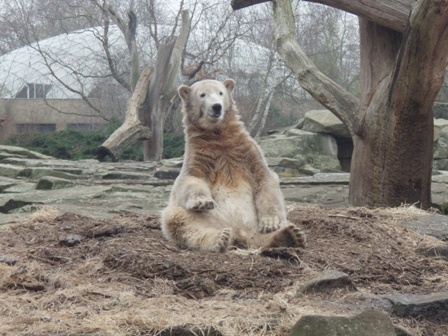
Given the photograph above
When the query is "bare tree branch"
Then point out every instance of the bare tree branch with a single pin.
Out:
(335, 98)
(110, 60)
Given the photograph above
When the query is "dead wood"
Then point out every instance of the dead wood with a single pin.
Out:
(392, 14)
(149, 104)
(132, 129)
(162, 89)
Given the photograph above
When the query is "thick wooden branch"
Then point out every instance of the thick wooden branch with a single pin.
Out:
(132, 129)
(334, 97)
(422, 59)
(238, 4)
(392, 14)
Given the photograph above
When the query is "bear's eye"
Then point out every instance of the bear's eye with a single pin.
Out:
(221, 93)
(202, 95)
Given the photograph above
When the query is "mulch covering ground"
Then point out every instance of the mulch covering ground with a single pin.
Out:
(65, 273)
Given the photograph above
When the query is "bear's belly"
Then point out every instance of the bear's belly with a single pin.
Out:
(234, 207)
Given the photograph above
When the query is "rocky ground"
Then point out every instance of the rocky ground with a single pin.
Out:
(81, 253)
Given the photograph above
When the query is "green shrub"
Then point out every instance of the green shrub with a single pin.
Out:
(173, 146)
(77, 145)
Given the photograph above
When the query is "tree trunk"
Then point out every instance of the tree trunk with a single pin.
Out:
(392, 159)
(392, 125)
(387, 137)
(162, 89)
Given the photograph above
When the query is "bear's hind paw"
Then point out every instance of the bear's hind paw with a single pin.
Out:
(223, 240)
(289, 236)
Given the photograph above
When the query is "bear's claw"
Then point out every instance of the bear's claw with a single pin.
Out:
(270, 224)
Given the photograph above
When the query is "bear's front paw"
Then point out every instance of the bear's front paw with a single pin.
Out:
(200, 204)
(269, 224)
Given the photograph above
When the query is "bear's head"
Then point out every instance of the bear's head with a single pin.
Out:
(207, 103)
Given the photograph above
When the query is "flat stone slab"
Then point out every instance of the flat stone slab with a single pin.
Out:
(368, 323)
(319, 178)
(429, 224)
(52, 183)
(126, 175)
(430, 306)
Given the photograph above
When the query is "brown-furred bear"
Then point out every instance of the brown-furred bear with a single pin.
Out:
(225, 194)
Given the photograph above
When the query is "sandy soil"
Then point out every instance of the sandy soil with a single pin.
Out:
(64, 273)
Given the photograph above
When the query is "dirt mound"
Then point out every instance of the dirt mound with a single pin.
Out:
(66, 273)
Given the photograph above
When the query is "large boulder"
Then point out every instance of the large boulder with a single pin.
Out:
(298, 142)
(300, 152)
(440, 144)
(440, 129)
(323, 121)
(368, 323)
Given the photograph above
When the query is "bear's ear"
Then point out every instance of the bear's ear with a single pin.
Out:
(184, 92)
(229, 84)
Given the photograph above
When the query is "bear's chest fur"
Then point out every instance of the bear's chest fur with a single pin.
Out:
(223, 161)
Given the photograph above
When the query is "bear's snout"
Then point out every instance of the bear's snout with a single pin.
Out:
(217, 110)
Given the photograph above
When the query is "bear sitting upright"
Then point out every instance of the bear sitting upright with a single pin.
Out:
(225, 194)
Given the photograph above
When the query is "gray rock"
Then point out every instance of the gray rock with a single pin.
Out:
(36, 173)
(189, 330)
(440, 164)
(441, 149)
(20, 187)
(52, 183)
(8, 260)
(368, 323)
(167, 173)
(301, 153)
(323, 121)
(298, 143)
(440, 129)
(326, 281)
(7, 170)
(124, 175)
(13, 204)
(22, 152)
(173, 163)
(79, 195)
(71, 240)
(430, 306)
(429, 224)
(319, 179)
(6, 183)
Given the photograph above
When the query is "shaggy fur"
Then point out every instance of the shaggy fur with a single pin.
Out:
(225, 194)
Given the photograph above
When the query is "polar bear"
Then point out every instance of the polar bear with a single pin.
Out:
(225, 194)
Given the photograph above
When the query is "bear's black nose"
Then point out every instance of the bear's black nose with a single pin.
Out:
(217, 110)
